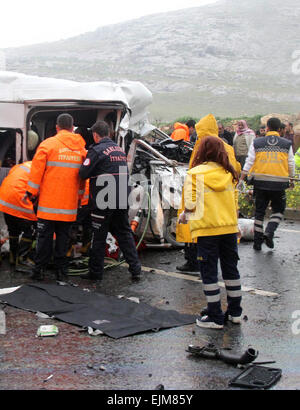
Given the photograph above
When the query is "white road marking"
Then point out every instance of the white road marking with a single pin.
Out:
(288, 230)
(253, 291)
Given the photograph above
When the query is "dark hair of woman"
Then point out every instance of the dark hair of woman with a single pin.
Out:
(212, 149)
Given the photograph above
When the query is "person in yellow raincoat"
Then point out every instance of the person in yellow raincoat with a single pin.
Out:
(206, 127)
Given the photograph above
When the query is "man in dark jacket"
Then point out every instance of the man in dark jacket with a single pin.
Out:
(225, 135)
(106, 166)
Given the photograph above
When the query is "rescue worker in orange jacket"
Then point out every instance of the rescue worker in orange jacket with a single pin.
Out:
(54, 180)
(20, 218)
(181, 132)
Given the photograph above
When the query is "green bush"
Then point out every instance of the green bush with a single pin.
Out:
(247, 204)
(293, 196)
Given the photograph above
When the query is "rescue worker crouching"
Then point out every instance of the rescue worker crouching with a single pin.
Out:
(20, 218)
(106, 166)
(54, 180)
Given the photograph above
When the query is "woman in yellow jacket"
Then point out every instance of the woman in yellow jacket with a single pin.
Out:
(211, 213)
(207, 126)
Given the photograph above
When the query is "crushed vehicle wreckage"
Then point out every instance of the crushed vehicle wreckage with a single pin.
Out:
(29, 107)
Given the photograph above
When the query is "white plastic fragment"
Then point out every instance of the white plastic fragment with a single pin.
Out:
(133, 299)
(48, 378)
(43, 315)
(2, 323)
(93, 332)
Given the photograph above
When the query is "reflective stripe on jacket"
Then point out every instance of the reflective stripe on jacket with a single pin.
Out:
(55, 178)
(271, 166)
(85, 198)
(12, 191)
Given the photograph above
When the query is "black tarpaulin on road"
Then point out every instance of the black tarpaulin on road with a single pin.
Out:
(115, 317)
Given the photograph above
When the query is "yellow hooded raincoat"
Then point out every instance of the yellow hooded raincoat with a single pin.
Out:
(206, 127)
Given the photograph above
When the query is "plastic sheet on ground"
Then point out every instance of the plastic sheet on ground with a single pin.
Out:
(114, 317)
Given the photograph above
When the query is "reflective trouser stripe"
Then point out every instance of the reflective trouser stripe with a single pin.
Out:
(276, 218)
(211, 287)
(233, 288)
(213, 298)
(33, 185)
(57, 211)
(16, 208)
(97, 216)
(236, 282)
(63, 164)
(258, 226)
(234, 293)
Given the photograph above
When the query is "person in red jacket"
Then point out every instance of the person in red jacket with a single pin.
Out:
(20, 218)
(54, 180)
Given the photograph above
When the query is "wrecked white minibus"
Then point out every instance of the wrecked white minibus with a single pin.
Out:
(30, 103)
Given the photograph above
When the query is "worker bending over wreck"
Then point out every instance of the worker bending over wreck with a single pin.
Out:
(106, 166)
(55, 184)
(20, 218)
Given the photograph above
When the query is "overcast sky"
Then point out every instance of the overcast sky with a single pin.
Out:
(26, 22)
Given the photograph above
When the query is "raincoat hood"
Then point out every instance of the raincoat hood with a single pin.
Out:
(70, 140)
(207, 127)
(216, 178)
(178, 126)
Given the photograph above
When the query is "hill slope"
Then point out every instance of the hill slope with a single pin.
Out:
(232, 58)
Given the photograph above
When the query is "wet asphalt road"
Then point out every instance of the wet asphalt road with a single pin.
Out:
(77, 361)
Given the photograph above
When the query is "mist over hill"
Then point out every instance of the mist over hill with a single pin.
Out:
(234, 57)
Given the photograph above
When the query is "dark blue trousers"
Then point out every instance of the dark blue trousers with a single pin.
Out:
(116, 222)
(211, 249)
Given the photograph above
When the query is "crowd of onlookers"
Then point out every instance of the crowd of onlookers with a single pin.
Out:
(238, 135)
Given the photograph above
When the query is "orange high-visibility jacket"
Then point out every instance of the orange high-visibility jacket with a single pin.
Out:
(54, 176)
(12, 192)
(181, 132)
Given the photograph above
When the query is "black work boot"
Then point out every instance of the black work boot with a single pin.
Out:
(268, 239)
(61, 275)
(13, 250)
(91, 276)
(25, 248)
(136, 277)
(187, 268)
(257, 245)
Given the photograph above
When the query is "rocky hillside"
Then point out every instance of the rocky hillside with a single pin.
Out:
(230, 58)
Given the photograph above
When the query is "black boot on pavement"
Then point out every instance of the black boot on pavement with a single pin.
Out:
(268, 238)
(61, 275)
(187, 268)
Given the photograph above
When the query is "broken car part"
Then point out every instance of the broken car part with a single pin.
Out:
(210, 351)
